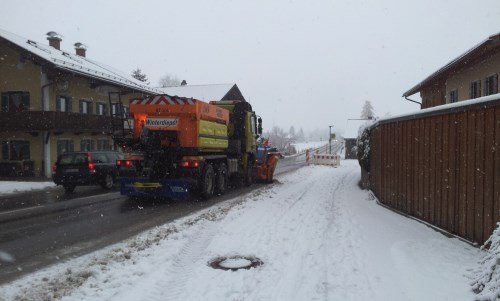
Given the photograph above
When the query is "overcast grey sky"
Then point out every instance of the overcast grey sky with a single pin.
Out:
(303, 63)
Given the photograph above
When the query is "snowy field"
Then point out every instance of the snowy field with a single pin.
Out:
(319, 236)
(302, 146)
(7, 187)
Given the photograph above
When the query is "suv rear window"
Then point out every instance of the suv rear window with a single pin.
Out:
(68, 159)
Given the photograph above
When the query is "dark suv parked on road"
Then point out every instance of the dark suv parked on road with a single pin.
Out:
(86, 168)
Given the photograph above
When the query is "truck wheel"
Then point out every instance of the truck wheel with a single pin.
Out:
(249, 173)
(69, 188)
(221, 179)
(207, 182)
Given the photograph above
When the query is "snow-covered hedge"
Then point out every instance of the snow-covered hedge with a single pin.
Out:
(486, 277)
(363, 145)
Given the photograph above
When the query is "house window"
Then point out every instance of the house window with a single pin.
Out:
(114, 109)
(87, 145)
(85, 107)
(125, 112)
(491, 85)
(15, 150)
(64, 145)
(453, 96)
(103, 144)
(475, 89)
(63, 104)
(15, 101)
(100, 109)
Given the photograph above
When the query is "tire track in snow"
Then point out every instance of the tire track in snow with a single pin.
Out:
(342, 238)
(171, 284)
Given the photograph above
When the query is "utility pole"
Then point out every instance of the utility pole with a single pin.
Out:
(330, 139)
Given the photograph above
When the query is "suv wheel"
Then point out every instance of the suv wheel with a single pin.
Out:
(69, 188)
(108, 182)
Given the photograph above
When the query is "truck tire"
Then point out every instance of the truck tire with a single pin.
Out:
(249, 173)
(207, 182)
(221, 179)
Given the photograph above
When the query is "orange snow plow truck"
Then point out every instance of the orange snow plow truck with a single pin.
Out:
(190, 146)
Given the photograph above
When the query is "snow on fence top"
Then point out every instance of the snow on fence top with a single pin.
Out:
(460, 106)
(77, 64)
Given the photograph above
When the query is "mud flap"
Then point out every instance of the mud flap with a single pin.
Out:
(167, 188)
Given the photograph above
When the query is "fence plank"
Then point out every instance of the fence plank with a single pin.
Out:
(432, 172)
(452, 174)
(462, 187)
(471, 171)
(438, 170)
(445, 172)
(496, 192)
(489, 148)
(479, 177)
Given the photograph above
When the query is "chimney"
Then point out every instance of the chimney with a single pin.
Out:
(54, 39)
(80, 49)
(184, 82)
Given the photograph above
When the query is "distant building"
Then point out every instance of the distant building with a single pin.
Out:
(351, 135)
(54, 101)
(471, 75)
(206, 92)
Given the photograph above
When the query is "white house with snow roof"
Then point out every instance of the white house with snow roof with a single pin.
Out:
(55, 100)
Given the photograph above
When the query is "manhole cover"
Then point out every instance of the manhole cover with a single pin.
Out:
(234, 263)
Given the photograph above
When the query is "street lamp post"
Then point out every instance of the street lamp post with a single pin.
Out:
(330, 139)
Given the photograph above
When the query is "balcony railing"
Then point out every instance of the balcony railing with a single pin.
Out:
(32, 121)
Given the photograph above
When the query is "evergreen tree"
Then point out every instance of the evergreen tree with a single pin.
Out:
(137, 74)
(367, 111)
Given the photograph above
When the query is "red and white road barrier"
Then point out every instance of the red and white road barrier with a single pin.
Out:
(325, 159)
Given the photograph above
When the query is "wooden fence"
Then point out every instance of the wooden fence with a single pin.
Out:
(441, 166)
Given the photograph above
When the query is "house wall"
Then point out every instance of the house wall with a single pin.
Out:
(433, 95)
(20, 76)
(27, 76)
(461, 79)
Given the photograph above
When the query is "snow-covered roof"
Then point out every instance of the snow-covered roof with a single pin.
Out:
(462, 59)
(61, 59)
(352, 127)
(460, 106)
(202, 92)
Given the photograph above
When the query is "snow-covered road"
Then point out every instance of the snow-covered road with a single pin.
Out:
(319, 236)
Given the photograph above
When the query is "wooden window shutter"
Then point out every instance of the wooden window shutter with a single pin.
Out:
(25, 100)
(5, 102)
(486, 88)
(495, 84)
(69, 104)
(5, 150)
(58, 104)
(81, 106)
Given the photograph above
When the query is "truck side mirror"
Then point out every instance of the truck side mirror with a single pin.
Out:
(259, 127)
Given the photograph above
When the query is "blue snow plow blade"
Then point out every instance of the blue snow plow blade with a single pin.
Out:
(167, 188)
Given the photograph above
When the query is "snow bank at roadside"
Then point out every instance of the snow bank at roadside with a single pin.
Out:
(486, 277)
(7, 187)
(302, 146)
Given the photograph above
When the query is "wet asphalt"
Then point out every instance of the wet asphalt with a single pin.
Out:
(41, 228)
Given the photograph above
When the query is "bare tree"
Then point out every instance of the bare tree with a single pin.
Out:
(169, 81)
(367, 111)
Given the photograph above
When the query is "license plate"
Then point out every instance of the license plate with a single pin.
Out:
(72, 170)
